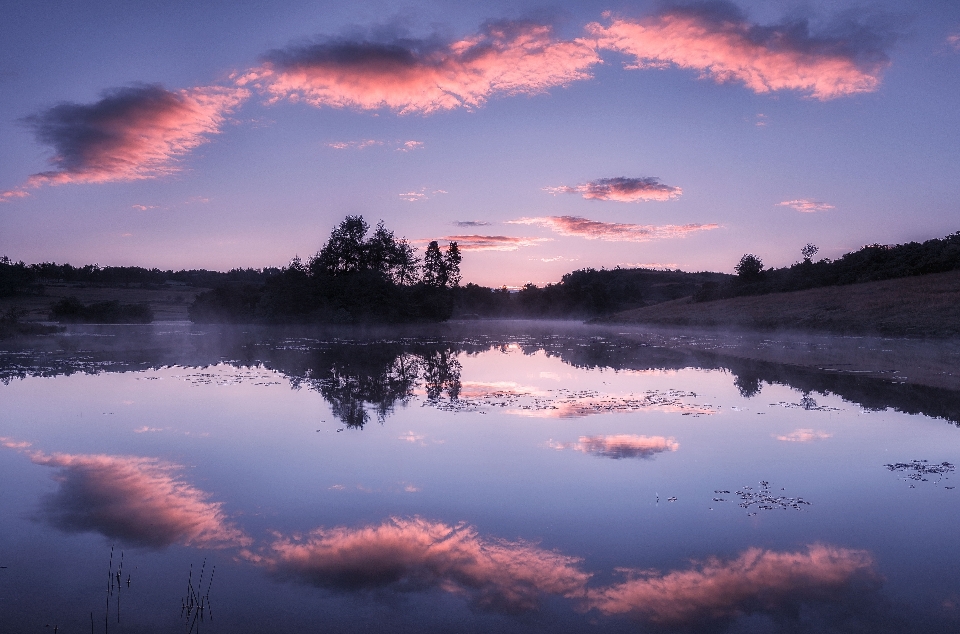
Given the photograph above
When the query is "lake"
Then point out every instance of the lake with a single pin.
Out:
(477, 477)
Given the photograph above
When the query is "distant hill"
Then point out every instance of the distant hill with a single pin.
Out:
(927, 305)
(585, 293)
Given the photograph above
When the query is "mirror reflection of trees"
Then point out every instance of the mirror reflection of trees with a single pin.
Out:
(365, 376)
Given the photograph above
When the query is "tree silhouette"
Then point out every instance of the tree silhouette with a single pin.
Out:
(749, 268)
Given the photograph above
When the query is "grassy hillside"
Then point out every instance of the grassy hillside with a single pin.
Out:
(926, 305)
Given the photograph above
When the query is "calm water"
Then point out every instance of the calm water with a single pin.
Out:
(507, 477)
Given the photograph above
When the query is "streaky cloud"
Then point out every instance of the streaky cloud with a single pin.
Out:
(622, 189)
(423, 76)
(493, 243)
(619, 446)
(759, 581)
(806, 206)
(131, 133)
(472, 223)
(717, 39)
(417, 554)
(612, 231)
(137, 500)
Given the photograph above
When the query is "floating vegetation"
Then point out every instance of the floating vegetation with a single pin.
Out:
(195, 605)
(808, 403)
(763, 499)
(563, 403)
(917, 470)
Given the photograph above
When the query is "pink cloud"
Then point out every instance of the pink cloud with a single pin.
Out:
(758, 581)
(423, 76)
(717, 40)
(953, 41)
(612, 231)
(419, 554)
(621, 446)
(493, 243)
(806, 206)
(10, 194)
(131, 133)
(621, 189)
(804, 435)
(139, 500)
(354, 145)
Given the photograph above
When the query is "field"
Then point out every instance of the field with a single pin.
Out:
(168, 304)
(922, 306)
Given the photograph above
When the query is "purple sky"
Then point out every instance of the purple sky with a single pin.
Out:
(542, 137)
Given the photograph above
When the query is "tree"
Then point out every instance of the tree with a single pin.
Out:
(434, 267)
(345, 251)
(809, 251)
(749, 268)
(452, 261)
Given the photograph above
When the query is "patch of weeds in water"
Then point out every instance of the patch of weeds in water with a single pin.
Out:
(196, 605)
(764, 499)
(918, 470)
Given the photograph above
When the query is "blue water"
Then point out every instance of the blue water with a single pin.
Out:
(518, 478)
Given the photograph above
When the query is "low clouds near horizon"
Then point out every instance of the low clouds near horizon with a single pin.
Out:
(577, 226)
(621, 189)
(493, 243)
(717, 39)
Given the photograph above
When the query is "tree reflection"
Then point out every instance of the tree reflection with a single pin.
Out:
(358, 379)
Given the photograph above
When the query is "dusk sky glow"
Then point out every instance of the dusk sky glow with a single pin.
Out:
(541, 137)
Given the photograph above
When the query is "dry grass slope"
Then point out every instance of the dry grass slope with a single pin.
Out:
(927, 305)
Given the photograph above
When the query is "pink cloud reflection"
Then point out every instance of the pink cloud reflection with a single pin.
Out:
(420, 554)
(139, 500)
(758, 581)
(717, 40)
(619, 446)
(424, 76)
(612, 231)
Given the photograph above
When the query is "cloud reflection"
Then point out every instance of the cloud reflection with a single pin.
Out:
(757, 582)
(804, 435)
(137, 500)
(417, 554)
(621, 446)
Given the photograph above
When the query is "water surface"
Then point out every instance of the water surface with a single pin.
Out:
(492, 477)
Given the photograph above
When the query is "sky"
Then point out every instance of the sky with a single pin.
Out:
(543, 137)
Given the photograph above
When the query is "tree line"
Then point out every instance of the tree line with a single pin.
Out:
(873, 262)
(18, 278)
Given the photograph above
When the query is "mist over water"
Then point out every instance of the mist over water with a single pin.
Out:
(508, 476)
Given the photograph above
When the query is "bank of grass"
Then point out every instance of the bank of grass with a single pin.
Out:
(920, 306)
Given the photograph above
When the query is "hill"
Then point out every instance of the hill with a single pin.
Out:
(925, 305)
